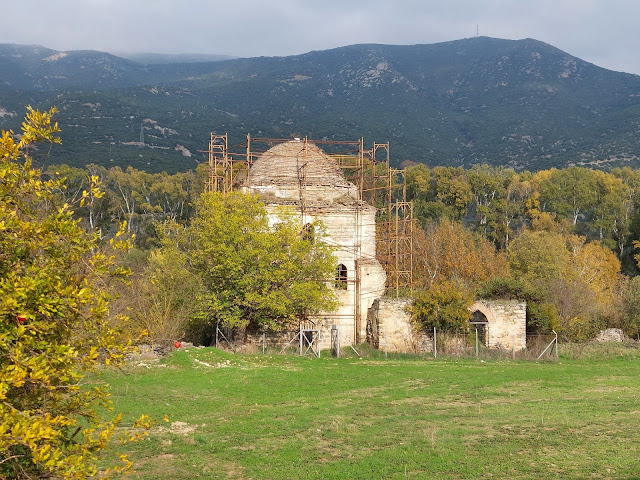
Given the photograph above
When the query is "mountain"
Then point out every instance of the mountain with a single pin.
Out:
(519, 103)
(162, 58)
(35, 68)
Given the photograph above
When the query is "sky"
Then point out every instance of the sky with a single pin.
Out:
(604, 32)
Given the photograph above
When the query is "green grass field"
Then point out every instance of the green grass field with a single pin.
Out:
(286, 417)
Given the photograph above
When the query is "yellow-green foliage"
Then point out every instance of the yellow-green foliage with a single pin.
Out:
(253, 273)
(581, 280)
(52, 322)
(443, 305)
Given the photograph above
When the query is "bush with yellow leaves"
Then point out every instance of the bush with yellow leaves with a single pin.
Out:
(53, 328)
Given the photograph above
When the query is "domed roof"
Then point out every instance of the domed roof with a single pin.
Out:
(289, 163)
(295, 169)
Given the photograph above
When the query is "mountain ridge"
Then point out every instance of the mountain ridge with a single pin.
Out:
(519, 103)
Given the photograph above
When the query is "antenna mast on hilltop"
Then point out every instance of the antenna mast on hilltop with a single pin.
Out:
(477, 31)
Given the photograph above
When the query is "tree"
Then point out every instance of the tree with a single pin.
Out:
(163, 297)
(569, 192)
(441, 192)
(489, 187)
(52, 322)
(580, 279)
(631, 308)
(448, 251)
(443, 305)
(254, 272)
(598, 267)
(538, 257)
(610, 215)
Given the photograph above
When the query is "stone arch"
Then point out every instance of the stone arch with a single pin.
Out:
(484, 309)
(481, 319)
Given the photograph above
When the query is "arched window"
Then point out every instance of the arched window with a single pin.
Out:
(308, 232)
(341, 277)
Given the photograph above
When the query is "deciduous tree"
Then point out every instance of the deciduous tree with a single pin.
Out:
(444, 305)
(267, 274)
(446, 250)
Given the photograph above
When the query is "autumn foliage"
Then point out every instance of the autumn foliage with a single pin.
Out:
(53, 327)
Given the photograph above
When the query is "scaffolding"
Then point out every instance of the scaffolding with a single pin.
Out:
(220, 165)
(376, 182)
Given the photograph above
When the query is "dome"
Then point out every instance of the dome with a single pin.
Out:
(280, 165)
(287, 168)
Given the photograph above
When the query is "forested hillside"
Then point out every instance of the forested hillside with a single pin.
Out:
(522, 104)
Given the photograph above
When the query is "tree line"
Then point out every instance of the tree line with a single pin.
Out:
(556, 236)
(495, 202)
(498, 202)
(565, 240)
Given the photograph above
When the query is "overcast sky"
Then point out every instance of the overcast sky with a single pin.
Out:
(604, 32)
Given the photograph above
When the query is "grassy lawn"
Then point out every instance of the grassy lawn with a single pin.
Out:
(286, 417)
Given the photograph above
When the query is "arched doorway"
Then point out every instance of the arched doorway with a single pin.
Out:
(479, 323)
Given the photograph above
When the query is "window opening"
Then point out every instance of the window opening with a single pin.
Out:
(341, 277)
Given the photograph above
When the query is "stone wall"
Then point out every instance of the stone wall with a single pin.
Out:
(389, 325)
(350, 229)
(506, 322)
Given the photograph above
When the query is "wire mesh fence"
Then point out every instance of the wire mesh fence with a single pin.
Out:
(471, 344)
(437, 344)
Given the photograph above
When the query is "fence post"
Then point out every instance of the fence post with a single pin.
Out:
(435, 346)
(216, 335)
(264, 341)
(335, 340)
(554, 332)
(300, 338)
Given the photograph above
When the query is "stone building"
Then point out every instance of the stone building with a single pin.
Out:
(299, 175)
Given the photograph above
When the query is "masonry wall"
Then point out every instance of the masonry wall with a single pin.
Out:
(347, 226)
(507, 323)
(389, 325)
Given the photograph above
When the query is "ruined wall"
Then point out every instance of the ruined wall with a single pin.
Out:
(389, 326)
(389, 323)
(347, 226)
(507, 322)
